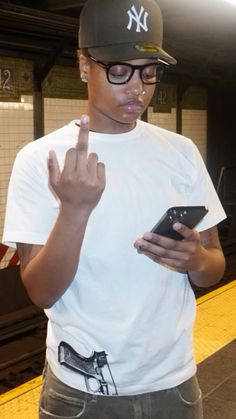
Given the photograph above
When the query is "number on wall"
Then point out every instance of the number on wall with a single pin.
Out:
(6, 79)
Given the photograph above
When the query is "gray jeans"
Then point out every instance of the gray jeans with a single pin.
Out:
(62, 402)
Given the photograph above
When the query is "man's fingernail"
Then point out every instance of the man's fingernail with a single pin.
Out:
(85, 119)
(177, 226)
(147, 236)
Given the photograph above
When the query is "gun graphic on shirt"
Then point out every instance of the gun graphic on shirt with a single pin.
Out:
(90, 368)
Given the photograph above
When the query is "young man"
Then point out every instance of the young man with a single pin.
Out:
(119, 300)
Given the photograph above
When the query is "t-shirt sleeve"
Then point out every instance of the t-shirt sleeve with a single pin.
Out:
(202, 192)
(31, 205)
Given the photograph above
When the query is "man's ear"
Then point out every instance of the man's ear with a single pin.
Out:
(82, 61)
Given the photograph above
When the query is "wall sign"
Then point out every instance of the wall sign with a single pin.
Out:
(6, 78)
(164, 98)
(16, 78)
(9, 89)
(64, 83)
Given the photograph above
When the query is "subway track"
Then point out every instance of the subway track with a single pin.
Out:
(22, 332)
(22, 355)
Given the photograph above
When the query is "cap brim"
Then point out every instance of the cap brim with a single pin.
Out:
(123, 52)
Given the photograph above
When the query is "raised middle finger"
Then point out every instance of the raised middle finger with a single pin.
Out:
(82, 144)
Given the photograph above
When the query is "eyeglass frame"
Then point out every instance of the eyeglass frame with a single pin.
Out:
(140, 67)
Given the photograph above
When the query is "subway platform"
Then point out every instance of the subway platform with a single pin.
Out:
(215, 350)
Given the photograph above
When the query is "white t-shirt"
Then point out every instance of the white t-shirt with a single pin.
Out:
(137, 311)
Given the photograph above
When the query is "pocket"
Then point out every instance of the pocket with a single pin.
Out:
(62, 406)
(189, 392)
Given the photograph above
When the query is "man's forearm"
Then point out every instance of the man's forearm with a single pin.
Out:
(50, 272)
(211, 270)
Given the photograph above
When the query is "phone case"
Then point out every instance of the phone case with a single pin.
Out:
(189, 216)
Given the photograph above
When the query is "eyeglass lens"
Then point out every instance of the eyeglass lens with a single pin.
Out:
(122, 73)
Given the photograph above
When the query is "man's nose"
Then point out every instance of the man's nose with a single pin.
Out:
(135, 84)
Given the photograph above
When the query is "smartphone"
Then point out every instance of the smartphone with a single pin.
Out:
(189, 216)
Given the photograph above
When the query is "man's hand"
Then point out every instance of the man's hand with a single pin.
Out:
(182, 255)
(82, 181)
(198, 254)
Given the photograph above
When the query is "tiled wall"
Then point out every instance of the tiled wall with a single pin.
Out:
(194, 126)
(163, 120)
(16, 129)
(59, 112)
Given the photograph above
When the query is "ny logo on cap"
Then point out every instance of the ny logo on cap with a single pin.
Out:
(134, 16)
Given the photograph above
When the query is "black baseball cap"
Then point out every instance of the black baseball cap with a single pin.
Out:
(119, 30)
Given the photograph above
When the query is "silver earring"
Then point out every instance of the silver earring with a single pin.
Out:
(84, 79)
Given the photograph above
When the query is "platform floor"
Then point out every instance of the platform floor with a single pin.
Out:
(215, 350)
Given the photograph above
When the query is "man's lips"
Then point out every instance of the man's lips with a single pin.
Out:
(133, 106)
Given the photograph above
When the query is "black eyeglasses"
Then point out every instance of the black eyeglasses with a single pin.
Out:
(121, 73)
